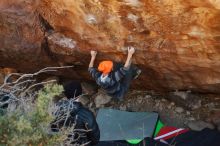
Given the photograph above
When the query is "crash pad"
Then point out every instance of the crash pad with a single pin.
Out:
(123, 125)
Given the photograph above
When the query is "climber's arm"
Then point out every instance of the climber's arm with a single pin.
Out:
(93, 56)
(120, 73)
(94, 73)
(131, 51)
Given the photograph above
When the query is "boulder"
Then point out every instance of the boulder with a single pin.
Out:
(179, 110)
(89, 88)
(84, 99)
(101, 99)
(185, 99)
(199, 125)
(215, 118)
(177, 41)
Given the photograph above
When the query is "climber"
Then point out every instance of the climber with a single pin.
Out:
(114, 79)
(69, 112)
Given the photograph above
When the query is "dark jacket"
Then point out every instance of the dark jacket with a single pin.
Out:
(86, 129)
(112, 84)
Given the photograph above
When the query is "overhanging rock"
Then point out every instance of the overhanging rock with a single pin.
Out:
(177, 41)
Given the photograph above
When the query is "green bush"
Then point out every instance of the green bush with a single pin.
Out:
(31, 127)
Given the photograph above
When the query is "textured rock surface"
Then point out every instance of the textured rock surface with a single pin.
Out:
(199, 125)
(177, 41)
(101, 99)
(4, 72)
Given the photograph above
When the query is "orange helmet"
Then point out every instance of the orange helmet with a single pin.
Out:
(105, 67)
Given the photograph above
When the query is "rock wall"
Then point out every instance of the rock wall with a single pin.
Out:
(177, 41)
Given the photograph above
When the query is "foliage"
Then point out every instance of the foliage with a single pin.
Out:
(30, 126)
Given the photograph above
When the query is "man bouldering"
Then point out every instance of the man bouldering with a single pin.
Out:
(114, 79)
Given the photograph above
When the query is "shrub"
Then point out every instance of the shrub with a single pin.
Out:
(30, 126)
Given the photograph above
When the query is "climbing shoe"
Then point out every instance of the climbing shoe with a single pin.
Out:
(137, 73)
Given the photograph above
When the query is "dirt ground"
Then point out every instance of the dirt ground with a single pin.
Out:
(171, 113)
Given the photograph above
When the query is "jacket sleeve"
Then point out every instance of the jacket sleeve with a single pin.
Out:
(120, 73)
(94, 73)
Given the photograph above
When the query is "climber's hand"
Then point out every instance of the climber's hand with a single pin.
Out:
(93, 56)
(131, 50)
(93, 53)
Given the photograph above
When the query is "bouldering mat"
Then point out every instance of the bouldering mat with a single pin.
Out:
(123, 125)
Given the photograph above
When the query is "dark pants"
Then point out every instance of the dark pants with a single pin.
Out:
(126, 81)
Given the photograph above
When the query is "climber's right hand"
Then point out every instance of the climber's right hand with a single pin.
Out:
(93, 53)
(131, 50)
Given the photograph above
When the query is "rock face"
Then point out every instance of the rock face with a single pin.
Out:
(177, 41)
(199, 125)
